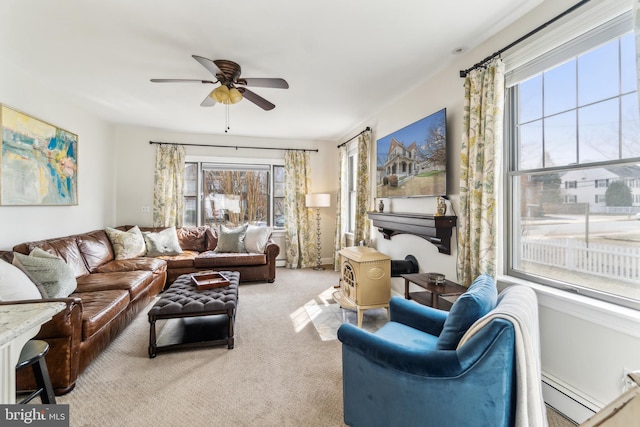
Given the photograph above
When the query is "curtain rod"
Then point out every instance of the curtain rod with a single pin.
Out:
(354, 137)
(234, 146)
(464, 73)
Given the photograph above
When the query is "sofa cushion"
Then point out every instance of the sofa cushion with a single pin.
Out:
(184, 260)
(163, 242)
(95, 248)
(135, 282)
(193, 238)
(231, 239)
(126, 244)
(47, 270)
(255, 241)
(478, 300)
(15, 285)
(133, 264)
(217, 259)
(101, 307)
(211, 238)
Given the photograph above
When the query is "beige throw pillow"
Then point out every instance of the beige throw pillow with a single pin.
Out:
(127, 244)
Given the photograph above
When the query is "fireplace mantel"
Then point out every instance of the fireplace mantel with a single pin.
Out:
(433, 228)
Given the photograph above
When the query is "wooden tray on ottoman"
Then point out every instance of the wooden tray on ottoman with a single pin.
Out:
(209, 280)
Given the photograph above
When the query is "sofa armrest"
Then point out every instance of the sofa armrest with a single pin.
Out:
(436, 363)
(417, 316)
(65, 323)
(272, 250)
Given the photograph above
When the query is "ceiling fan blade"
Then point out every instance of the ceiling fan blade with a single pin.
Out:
(264, 82)
(208, 101)
(256, 99)
(182, 81)
(208, 64)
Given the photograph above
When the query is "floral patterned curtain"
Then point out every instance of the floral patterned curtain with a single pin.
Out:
(299, 234)
(479, 164)
(168, 187)
(340, 240)
(362, 228)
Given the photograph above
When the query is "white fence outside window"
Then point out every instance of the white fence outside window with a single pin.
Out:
(616, 262)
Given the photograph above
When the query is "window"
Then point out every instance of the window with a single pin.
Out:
(574, 142)
(233, 194)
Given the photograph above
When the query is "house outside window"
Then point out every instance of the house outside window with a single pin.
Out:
(233, 194)
(573, 142)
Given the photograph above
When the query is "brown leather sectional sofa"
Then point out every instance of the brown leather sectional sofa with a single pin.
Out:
(110, 292)
(198, 244)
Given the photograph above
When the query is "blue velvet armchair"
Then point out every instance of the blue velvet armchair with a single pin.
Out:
(411, 373)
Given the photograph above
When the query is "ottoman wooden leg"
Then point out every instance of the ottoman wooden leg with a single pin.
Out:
(152, 338)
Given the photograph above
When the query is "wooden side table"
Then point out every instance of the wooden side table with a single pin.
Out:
(432, 293)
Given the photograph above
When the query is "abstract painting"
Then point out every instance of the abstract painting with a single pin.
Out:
(39, 162)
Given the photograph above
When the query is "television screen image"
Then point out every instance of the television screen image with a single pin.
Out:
(412, 161)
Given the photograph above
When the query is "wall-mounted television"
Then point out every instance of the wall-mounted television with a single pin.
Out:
(412, 161)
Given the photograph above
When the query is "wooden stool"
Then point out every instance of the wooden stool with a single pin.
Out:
(33, 354)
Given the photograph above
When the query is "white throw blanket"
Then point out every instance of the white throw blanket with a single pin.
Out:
(519, 305)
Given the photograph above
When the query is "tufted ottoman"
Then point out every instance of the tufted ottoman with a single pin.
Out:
(195, 318)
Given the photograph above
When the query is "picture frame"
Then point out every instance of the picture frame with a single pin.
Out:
(412, 161)
(38, 162)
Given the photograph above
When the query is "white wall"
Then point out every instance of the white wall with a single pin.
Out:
(585, 345)
(135, 165)
(96, 182)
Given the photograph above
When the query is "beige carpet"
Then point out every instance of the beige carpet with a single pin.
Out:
(280, 373)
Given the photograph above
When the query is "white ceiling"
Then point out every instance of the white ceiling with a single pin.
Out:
(344, 59)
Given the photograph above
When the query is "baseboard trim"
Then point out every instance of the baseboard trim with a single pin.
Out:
(568, 401)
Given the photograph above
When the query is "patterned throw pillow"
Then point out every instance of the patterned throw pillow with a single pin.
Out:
(255, 241)
(231, 239)
(127, 244)
(163, 242)
(49, 271)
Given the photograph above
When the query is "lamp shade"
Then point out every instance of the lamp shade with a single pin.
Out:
(234, 95)
(318, 200)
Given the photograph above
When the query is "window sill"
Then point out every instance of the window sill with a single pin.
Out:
(622, 319)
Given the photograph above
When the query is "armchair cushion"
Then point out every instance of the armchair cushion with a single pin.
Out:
(477, 301)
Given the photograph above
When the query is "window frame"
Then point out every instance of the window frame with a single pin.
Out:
(238, 162)
(512, 210)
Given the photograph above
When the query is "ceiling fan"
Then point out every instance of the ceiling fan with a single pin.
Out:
(232, 86)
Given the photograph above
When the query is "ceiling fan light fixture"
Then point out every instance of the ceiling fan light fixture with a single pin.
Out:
(221, 94)
(234, 95)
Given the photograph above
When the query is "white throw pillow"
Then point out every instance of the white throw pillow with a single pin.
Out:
(163, 242)
(49, 271)
(255, 241)
(15, 285)
(127, 244)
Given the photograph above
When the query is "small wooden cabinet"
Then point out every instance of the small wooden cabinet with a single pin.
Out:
(365, 280)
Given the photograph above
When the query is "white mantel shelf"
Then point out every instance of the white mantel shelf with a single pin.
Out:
(18, 324)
